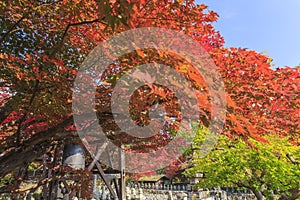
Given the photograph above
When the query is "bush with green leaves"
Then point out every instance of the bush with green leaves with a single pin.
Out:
(269, 170)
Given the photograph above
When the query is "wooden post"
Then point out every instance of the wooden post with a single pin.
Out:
(115, 181)
(57, 160)
(122, 173)
(45, 187)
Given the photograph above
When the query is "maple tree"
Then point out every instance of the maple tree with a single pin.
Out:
(269, 99)
(44, 43)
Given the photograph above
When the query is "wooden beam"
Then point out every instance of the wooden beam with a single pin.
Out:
(122, 173)
(102, 175)
(97, 156)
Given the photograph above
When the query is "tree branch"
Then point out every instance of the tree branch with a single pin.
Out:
(34, 147)
(11, 29)
(290, 157)
(67, 29)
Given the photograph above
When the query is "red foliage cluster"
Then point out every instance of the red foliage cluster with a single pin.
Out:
(44, 45)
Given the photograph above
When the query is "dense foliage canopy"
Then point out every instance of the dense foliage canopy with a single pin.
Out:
(43, 44)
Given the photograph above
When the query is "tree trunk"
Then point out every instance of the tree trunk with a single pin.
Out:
(258, 194)
(295, 194)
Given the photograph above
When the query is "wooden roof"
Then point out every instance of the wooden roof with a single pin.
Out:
(153, 178)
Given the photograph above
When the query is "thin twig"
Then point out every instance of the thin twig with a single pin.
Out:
(11, 29)
(67, 29)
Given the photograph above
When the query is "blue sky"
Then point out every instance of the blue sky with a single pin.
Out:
(262, 25)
